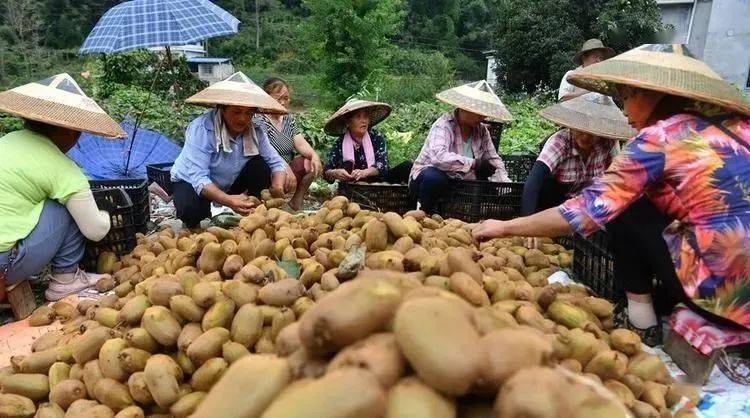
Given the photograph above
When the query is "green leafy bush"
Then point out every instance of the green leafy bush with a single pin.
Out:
(528, 129)
(9, 124)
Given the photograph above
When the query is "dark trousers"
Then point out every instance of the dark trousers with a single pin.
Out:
(192, 208)
(432, 185)
(640, 254)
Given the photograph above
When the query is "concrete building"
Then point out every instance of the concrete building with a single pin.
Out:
(491, 68)
(187, 51)
(211, 70)
(716, 31)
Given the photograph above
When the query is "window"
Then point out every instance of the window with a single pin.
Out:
(207, 69)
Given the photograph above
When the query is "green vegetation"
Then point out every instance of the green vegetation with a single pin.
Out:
(398, 51)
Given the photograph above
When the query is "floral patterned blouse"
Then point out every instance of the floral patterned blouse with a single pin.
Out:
(699, 175)
(336, 156)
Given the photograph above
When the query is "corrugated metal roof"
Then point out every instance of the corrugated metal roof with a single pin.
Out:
(199, 60)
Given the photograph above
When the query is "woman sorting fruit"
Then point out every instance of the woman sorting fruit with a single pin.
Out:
(459, 145)
(287, 140)
(226, 157)
(691, 161)
(576, 154)
(360, 153)
(47, 210)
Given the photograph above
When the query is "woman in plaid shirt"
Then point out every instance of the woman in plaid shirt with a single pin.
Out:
(459, 145)
(576, 154)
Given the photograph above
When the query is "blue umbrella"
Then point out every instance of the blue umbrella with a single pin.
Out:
(140, 24)
(103, 159)
(145, 23)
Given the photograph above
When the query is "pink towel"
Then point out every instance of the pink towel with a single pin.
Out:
(347, 148)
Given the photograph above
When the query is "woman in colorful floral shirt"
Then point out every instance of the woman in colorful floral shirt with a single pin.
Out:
(691, 160)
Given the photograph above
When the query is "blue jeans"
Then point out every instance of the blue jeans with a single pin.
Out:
(430, 186)
(55, 240)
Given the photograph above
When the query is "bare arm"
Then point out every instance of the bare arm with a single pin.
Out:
(548, 223)
(304, 148)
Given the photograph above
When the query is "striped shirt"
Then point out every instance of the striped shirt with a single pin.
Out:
(282, 140)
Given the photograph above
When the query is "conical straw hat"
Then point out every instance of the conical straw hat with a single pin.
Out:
(666, 68)
(59, 101)
(336, 124)
(593, 113)
(237, 90)
(477, 97)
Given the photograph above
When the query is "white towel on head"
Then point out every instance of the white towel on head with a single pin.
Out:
(224, 138)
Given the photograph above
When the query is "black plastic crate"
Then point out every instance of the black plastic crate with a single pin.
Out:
(474, 200)
(161, 174)
(519, 166)
(593, 265)
(121, 236)
(380, 197)
(137, 190)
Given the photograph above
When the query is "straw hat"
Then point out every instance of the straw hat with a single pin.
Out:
(336, 124)
(237, 90)
(59, 101)
(477, 97)
(665, 68)
(593, 45)
(593, 113)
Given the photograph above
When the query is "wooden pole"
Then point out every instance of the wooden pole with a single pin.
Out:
(257, 25)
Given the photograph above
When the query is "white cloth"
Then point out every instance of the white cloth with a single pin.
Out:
(93, 223)
(223, 137)
(567, 89)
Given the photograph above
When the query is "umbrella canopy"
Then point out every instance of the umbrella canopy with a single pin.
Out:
(103, 159)
(140, 24)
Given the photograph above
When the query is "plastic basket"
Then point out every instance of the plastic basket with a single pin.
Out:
(593, 265)
(121, 236)
(161, 174)
(473, 200)
(137, 190)
(380, 197)
(519, 166)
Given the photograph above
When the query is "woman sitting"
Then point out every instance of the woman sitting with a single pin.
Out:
(227, 157)
(576, 154)
(459, 145)
(47, 210)
(286, 140)
(360, 152)
(691, 161)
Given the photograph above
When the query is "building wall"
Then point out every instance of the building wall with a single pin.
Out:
(720, 34)
(727, 48)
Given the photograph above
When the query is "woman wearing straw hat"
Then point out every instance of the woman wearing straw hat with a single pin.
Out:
(288, 141)
(691, 160)
(576, 154)
(458, 145)
(227, 157)
(360, 153)
(47, 210)
(592, 52)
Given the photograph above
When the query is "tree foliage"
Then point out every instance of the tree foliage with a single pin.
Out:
(348, 40)
(537, 39)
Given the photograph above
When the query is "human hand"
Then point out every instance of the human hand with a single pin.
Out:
(316, 166)
(489, 229)
(340, 174)
(532, 242)
(290, 182)
(239, 203)
(358, 175)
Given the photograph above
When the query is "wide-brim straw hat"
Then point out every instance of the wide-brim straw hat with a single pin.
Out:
(593, 113)
(237, 90)
(59, 101)
(666, 68)
(593, 45)
(336, 124)
(479, 98)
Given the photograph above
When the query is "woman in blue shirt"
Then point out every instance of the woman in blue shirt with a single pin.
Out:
(226, 157)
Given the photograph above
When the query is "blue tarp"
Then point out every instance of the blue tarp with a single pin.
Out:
(104, 159)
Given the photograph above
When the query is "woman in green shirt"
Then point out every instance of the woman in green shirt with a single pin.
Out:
(47, 209)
